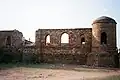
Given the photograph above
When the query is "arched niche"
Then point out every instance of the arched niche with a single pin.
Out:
(103, 38)
(64, 38)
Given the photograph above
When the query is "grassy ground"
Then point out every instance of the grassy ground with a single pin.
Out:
(56, 72)
(116, 77)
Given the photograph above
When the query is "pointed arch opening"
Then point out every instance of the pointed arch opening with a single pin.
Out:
(47, 39)
(82, 40)
(8, 41)
(65, 38)
(103, 38)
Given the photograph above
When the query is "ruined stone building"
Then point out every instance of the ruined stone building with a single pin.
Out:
(10, 44)
(94, 46)
(11, 38)
(91, 46)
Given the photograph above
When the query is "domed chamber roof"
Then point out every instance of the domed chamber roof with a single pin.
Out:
(104, 19)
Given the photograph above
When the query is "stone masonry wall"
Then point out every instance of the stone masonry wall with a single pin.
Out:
(57, 52)
(15, 38)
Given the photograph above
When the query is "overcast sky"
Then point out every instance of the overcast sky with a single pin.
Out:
(29, 15)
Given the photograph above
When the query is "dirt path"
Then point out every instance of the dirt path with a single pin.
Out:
(76, 73)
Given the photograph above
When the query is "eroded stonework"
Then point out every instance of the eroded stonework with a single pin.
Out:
(11, 38)
(55, 51)
(99, 48)
(94, 46)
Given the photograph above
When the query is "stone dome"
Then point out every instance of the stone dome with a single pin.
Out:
(104, 19)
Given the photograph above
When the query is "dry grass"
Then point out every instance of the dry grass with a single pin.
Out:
(55, 72)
